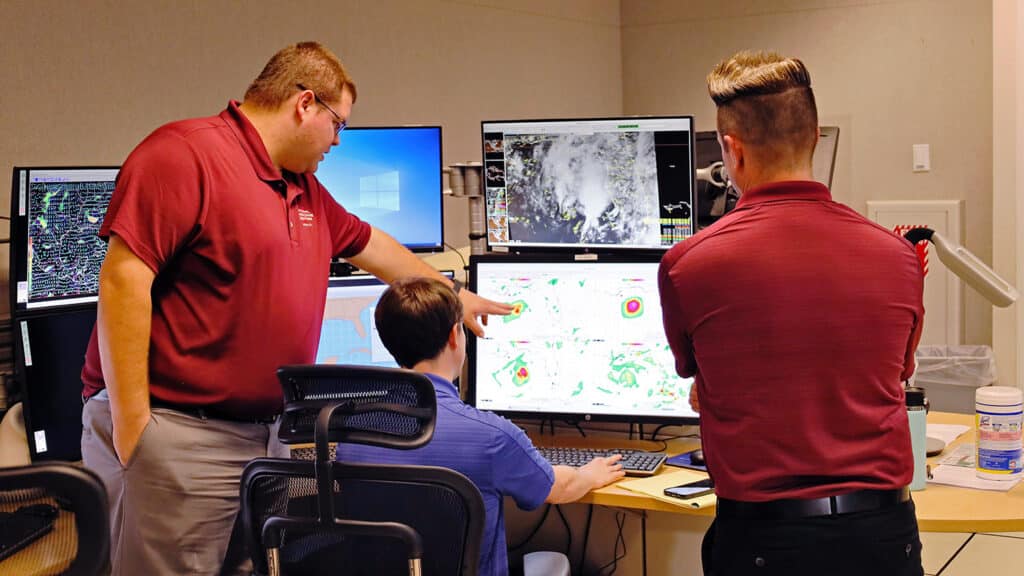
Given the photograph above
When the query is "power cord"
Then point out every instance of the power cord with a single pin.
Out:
(543, 518)
(620, 522)
(568, 531)
(586, 537)
(461, 257)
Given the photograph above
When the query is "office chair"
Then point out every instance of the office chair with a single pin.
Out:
(319, 516)
(54, 519)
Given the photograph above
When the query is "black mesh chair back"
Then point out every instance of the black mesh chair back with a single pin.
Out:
(322, 514)
(53, 520)
(390, 407)
(442, 506)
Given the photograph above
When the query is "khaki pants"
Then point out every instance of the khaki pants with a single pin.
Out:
(174, 505)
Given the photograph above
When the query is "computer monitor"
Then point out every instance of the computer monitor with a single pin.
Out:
(716, 196)
(585, 341)
(55, 253)
(391, 178)
(49, 353)
(589, 184)
(348, 334)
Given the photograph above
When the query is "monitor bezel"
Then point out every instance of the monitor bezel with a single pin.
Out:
(416, 248)
(18, 249)
(590, 248)
(558, 258)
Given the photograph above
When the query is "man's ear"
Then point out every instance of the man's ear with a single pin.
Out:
(453, 335)
(734, 148)
(305, 104)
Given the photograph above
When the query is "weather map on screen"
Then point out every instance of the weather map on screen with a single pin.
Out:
(603, 183)
(59, 212)
(348, 334)
(583, 338)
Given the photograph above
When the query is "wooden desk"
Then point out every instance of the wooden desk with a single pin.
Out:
(612, 495)
(939, 508)
(951, 509)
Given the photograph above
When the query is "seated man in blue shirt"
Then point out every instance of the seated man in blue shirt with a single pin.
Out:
(420, 322)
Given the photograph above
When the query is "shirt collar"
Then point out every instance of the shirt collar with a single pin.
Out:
(251, 142)
(785, 190)
(442, 386)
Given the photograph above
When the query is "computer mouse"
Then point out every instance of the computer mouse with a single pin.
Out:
(697, 456)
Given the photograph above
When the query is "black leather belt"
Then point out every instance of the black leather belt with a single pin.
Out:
(859, 501)
(208, 413)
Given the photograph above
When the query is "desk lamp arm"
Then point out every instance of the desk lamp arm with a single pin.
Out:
(967, 267)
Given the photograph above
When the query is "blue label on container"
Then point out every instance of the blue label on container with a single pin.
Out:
(999, 461)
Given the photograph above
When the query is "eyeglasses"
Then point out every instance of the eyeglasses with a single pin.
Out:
(339, 124)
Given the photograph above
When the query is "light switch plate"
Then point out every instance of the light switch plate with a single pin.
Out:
(922, 158)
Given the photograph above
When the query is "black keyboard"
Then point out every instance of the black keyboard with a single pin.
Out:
(635, 462)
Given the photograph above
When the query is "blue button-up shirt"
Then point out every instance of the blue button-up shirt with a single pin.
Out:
(489, 450)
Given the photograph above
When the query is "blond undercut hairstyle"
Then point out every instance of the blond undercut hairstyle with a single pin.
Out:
(310, 64)
(766, 101)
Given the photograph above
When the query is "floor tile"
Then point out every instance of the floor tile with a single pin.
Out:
(986, 554)
(1009, 534)
(939, 547)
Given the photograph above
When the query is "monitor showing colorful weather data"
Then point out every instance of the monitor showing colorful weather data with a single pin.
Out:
(585, 338)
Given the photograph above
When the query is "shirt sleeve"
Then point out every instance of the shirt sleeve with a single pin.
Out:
(673, 321)
(349, 234)
(519, 470)
(909, 363)
(158, 199)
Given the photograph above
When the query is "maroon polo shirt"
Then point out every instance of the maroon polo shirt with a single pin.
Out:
(799, 319)
(241, 252)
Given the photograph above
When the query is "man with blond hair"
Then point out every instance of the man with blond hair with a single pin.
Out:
(798, 319)
(220, 239)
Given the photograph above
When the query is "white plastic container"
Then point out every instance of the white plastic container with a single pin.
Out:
(999, 419)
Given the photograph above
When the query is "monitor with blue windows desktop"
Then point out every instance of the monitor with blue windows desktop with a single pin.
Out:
(391, 178)
(584, 342)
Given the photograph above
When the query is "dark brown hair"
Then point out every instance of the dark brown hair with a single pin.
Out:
(414, 318)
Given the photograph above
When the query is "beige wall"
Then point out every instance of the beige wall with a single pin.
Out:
(85, 81)
(890, 73)
(1008, 179)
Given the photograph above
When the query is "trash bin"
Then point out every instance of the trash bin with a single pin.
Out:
(951, 374)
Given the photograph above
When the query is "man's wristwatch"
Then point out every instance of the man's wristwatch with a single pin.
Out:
(457, 286)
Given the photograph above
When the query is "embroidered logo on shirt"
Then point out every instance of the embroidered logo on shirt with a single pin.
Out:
(306, 217)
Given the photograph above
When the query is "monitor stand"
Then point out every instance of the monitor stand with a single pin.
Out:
(342, 268)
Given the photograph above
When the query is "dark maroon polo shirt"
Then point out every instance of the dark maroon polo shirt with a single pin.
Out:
(799, 319)
(241, 253)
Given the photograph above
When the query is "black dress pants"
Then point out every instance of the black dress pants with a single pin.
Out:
(883, 542)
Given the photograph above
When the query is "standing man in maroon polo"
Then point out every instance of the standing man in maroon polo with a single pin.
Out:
(799, 319)
(216, 275)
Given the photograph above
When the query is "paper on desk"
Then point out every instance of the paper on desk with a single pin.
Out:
(654, 487)
(957, 469)
(946, 432)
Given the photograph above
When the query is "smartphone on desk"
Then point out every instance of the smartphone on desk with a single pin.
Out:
(691, 490)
